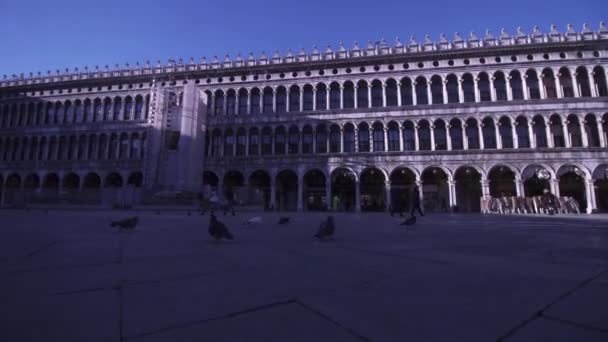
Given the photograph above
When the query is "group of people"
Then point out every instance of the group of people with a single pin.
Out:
(547, 203)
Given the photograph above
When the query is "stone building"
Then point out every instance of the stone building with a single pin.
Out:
(353, 129)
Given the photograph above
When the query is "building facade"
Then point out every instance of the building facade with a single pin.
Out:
(349, 129)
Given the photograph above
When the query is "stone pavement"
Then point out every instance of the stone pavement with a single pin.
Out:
(68, 276)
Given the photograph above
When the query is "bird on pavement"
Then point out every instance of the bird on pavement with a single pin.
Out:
(327, 229)
(218, 230)
(410, 221)
(126, 224)
(284, 220)
(255, 219)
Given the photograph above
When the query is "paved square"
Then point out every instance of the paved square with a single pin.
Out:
(68, 276)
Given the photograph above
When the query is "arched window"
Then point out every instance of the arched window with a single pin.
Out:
(255, 101)
(376, 93)
(393, 136)
(549, 82)
(281, 100)
(424, 135)
(294, 98)
(349, 138)
(228, 142)
(39, 114)
(516, 85)
(267, 100)
(321, 97)
(406, 92)
(349, 95)
(436, 89)
(254, 141)
(219, 103)
(91, 153)
(441, 141)
(69, 113)
(102, 147)
(506, 132)
(321, 139)
(378, 135)
(456, 134)
(362, 95)
(134, 146)
(591, 129)
(241, 142)
(243, 101)
(117, 115)
(334, 138)
(22, 115)
(599, 80)
(266, 141)
(279, 140)
(107, 109)
(87, 114)
(293, 140)
(97, 110)
(421, 91)
(472, 132)
(532, 84)
(409, 137)
(565, 78)
(59, 114)
(364, 144)
(582, 81)
(308, 98)
(307, 139)
(391, 92)
(33, 149)
(500, 86)
(334, 95)
(216, 143)
(139, 107)
(557, 131)
(484, 87)
(452, 89)
(468, 88)
(574, 131)
(82, 146)
(540, 133)
(31, 112)
(489, 133)
(230, 102)
(521, 128)
(123, 148)
(128, 107)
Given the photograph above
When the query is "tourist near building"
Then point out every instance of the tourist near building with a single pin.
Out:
(351, 128)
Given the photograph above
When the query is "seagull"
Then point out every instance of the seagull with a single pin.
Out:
(255, 219)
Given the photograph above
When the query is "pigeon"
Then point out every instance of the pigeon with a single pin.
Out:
(284, 220)
(255, 219)
(410, 221)
(126, 224)
(327, 229)
(218, 230)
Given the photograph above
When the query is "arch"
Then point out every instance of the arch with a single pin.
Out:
(210, 178)
(436, 89)
(521, 129)
(307, 139)
(557, 131)
(536, 179)
(591, 129)
(31, 181)
(266, 140)
(13, 181)
(472, 132)
(321, 97)
(565, 78)
(506, 132)
(287, 190)
(468, 189)
(409, 136)
(440, 135)
(135, 179)
(117, 113)
(539, 130)
(267, 100)
(435, 189)
(516, 85)
(364, 141)
(452, 88)
(489, 133)
(51, 182)
(281, 100)
(92, 181)
(582, 81)
(243, 98)
(308, 98)
(362, 95)
(219, 99)
(600, 185)
(128, 108)
(139, 107)
(549, 83)
(402, 180)
(322, 138)
(532, 84)
(233, 182)
(348, 143)
(377, 97)
(113, 180)
(391, 92)
(255, 98)
(572, 183)
(421, 90)
(334, 95)
(468, 88)
(71, 181)
(502, 181)
(372, 189)
(293, 140)
(343, 183)
(314, 186)
(259, 181)
(216, 142)
(393, 136)
(599, 80)
(500, 86)
(254, 141)
(483, 85)
(228, 142)
(334, 138)
(574, 131)
(241, 141)
(456, 134)
(294, 98)
(424, 135)
(407, 98)
(378, 136)
(230, 102)
(348, 98)
(280, 139)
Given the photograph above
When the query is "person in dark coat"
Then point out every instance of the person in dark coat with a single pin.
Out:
(327, 229)
(416, 201)
(229, 201)
(218, 230)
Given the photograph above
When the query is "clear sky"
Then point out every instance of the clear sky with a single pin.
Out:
(55, 34)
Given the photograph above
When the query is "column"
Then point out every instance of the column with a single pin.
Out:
(416, 144)
(600, 130)
(356, 95)
(465, 138)
(274, 100)
(328, 201)
(476, 85)
(514, 134)
(400, 137)
(385, 129)
(575, 88)
(314, 139)
(508, 86)
(526, 89)
(445, 91)
(432, 129)
(399, 100)
(369, 95)
(357, 196)
(248, 101)
(212, 104)
(247, 142)
(531, 135)
(550, 142)
(480, 130)
(236, 103)
(301, 99)
(498, 136)
(341, 96)
(414, 95)
(314, 98)
(452, 194)
(327, 93)
(341, 139)
(590, 195)
(448, 136)
(592, 84)
(519, 188)
(300, 189)
(383, 94)
(273, 195)
(429, 93)
(558, 85)
(287, 100)
(485, 187)
(492, 89)
(541, 86)
(585, 136)
(387, 194)
(460, 91)
(420, 186)
(356, 139)
(272, 140)
(554, 184)
(567, 140)
(371, 138)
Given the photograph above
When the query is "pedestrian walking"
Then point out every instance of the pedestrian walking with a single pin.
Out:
(416, 202)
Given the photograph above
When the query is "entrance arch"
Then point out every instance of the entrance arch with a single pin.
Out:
(259, 183)
(536, 180)
(402, 181)
(502, 181)
(314, 190)
(435, 189)
(468, 189)
(210, 178)
(287, 190)
(113, 180)
(232, 184)
(373, 189)
(343, 187)
(572, 184)
(600, 185)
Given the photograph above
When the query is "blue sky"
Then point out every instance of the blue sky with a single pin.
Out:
(49, 35)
